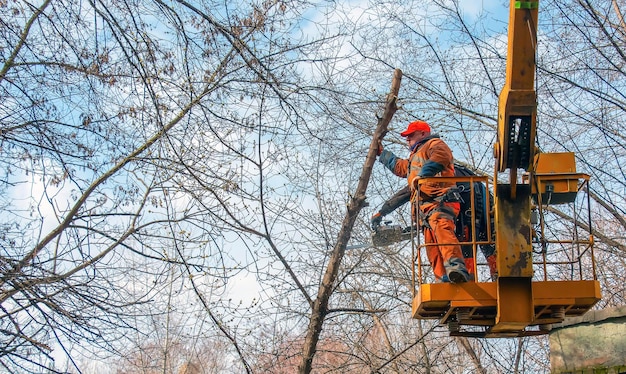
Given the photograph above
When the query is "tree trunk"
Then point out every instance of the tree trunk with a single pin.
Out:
(320, 306)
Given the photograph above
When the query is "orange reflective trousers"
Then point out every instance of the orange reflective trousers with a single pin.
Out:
(441, 230)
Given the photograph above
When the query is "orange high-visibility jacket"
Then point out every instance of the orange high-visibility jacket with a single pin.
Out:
(431, 157)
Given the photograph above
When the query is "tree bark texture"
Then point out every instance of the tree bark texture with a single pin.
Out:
(320, 306)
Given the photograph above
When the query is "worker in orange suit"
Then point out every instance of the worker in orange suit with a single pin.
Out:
(439, 203)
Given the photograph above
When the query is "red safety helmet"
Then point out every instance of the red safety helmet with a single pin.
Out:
(415, 126)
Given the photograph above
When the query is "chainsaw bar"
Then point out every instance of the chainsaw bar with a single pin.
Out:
(387, 235)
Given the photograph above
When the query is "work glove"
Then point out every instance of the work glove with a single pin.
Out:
(388, 159)
(380, 148)
(376, 220)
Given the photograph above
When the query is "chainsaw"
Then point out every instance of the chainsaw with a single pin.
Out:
(387, 234)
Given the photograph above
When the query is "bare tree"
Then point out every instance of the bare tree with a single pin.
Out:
(321, 303)
(126, 143)
(189, 165)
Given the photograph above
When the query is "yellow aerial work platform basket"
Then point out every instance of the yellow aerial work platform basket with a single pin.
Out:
(543, 277)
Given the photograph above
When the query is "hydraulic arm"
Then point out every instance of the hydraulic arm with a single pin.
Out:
(517, 110)
(516, 304)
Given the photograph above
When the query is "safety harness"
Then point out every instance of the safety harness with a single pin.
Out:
(452, 195)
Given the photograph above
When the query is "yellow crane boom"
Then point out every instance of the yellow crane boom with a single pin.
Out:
(516, 303)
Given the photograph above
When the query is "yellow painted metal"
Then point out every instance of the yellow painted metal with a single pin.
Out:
(555, 178)
(477, 304)
(555, 163)
(576, 296)
(513, 232)
(434, 300)
(515, 304)
(517, 106)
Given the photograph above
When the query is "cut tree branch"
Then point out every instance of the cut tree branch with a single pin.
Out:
(320, 306)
